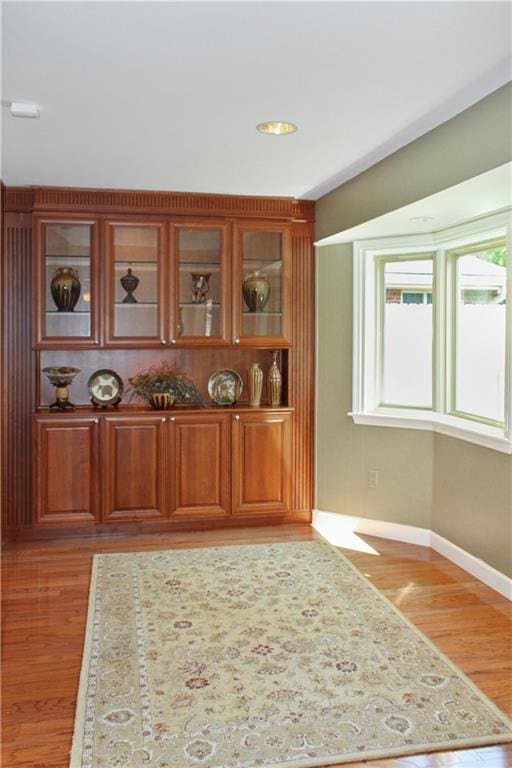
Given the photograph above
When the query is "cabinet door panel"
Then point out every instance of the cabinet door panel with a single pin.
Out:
(136, 298)
(135, 471)
(261, 463)
(200, 283)
(200, 456)
(66, 282)
(261, 284)
(66, 470)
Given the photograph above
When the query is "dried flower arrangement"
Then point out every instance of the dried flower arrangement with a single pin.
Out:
(165, 379)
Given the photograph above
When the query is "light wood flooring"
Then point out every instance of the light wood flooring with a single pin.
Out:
(45, 590)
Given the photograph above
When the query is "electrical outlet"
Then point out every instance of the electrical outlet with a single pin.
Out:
(373, 478)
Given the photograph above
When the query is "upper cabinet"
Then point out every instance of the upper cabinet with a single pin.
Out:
(142, 282)
(136, 263)
(66, 283)
(200, 283)
(261, 291)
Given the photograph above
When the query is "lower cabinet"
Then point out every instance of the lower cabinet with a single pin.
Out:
(134, 468)
(200, 451)
(261, 463)
(66, 470)
(190, 465)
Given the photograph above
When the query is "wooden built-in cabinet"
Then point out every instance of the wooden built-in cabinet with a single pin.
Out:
(194, 465)
(167, 258)
(161, 279)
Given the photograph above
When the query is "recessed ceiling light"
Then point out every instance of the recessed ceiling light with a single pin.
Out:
(277, 127)
(421, 219)
(19, 109)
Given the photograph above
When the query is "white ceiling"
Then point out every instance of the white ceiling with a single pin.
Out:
(484, 194)
(167, 95)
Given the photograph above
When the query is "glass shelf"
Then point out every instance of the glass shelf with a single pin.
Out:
(200, 306)
(136, 304)
(262, 314)
(66, 256)
(199, 266)
(128, 262)
(74, 312)
(269, 262)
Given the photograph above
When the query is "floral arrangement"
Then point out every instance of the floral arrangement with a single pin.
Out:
(165, 378)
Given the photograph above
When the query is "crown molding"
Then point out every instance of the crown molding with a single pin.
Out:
(69, 199)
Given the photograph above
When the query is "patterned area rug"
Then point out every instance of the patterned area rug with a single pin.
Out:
(278, 655)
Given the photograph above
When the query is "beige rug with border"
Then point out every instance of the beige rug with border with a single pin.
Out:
(278, 655)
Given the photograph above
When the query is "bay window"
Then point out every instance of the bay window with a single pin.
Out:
(433, 332)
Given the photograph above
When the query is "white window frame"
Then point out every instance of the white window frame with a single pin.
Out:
(367, 256)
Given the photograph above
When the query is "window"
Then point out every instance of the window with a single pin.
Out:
(406, 337)
(431, 349)
(479, 332)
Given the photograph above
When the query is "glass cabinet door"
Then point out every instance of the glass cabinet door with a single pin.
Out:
(261, 285)
(200, 309)
(135, 255)
(67, 298)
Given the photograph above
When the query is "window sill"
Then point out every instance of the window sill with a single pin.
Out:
(470, 431)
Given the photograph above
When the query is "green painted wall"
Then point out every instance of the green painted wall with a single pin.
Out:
(478, 139)
(462, 491)
(345, 452)
(472, 500)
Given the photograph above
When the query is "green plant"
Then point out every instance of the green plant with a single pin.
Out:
(165, 378)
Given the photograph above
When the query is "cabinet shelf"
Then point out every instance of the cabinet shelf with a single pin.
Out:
(66, 256)
(268, 262)
(194, 304)
(199, 266)
(246, 313)
(74, 312)
(129, 262)
(136, 304)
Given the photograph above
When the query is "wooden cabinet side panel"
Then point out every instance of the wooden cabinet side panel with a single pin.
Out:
(66, 471)
(134, 468)
(261, 463)
(200, 456)
(17, 372)
(301, 367)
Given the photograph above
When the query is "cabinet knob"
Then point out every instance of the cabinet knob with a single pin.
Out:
(173, 341)
(96, 341)
(163, 341)
(162, 419)
(237, 341)
(96, 421)
(173, 418)
(237, 417)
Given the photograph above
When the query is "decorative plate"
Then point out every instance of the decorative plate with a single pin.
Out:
(105, 387)
(225, 386)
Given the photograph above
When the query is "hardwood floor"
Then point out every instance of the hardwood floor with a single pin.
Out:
(44, 597)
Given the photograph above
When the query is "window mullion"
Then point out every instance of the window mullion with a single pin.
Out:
(439, 367)
(508, 333)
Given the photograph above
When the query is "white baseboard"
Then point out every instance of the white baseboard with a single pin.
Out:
(473, 565)
(423, 537)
